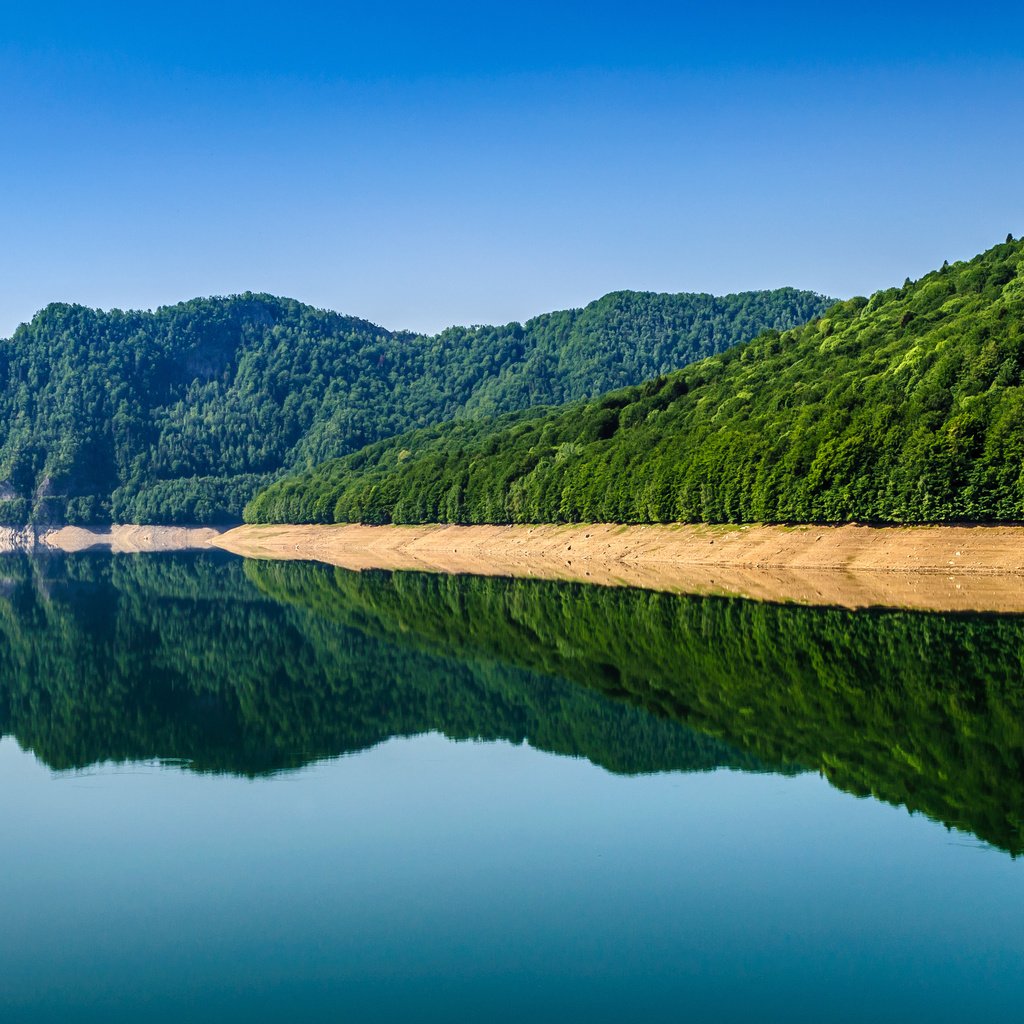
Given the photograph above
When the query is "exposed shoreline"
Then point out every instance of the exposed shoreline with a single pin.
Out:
(935, 568)
(118, 538)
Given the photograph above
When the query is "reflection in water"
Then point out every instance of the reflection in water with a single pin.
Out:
(252, 667)
(185, 657)
(918, 709)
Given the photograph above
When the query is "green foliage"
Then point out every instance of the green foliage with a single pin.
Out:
(905, 407)
(182, 414)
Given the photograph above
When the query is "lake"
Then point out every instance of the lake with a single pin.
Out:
(241, 790)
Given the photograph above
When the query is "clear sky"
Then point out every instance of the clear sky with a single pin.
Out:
(428, 164)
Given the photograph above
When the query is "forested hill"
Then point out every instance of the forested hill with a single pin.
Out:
(181, 414)
(905, 407)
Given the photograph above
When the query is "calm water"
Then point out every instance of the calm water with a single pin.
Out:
(253, 791)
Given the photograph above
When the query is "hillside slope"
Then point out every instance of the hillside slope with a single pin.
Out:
(179, 415)
(906, 407)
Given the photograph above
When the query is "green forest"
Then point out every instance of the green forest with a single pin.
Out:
(904, 407)
(180, 415)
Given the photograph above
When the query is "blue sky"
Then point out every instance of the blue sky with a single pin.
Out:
(428, 164)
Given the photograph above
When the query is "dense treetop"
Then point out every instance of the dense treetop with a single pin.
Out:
(905, 407)
(181, 414)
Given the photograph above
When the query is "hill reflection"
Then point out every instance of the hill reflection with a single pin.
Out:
(257, 667)
(135, 657)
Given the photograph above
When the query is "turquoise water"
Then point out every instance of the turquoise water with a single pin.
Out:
(227, 794)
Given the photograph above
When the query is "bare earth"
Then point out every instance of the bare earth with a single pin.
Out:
(128, 538)
(938, 568)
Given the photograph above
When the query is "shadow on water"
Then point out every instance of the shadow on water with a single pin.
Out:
(256, 667)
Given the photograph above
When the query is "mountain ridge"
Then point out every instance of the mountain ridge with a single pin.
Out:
(904, 407)
(179, 414)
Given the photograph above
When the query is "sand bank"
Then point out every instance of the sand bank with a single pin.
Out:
(938, 568)
(126, 538)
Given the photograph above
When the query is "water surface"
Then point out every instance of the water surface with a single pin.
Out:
(255, 791)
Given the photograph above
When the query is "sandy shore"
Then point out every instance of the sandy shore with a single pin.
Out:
(947, 568)
(126, 538)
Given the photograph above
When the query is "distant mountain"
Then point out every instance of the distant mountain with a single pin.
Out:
(905, 407)
(181, 414)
